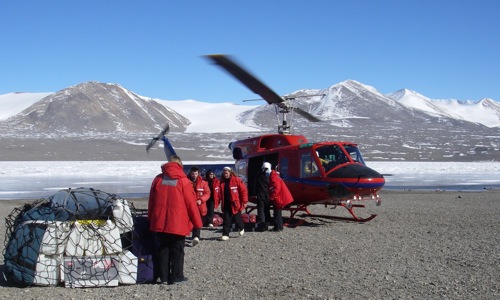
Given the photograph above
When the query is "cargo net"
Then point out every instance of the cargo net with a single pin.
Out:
(77, 238)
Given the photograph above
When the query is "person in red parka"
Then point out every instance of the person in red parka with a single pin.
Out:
(280, 196)
(172, 214)
(202, 191)
(213, 201)
(234, 199)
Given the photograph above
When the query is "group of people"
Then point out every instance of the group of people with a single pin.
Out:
(180, 204)
(230, 192)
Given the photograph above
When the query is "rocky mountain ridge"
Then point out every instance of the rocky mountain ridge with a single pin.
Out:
(94, 108)
(386, 126)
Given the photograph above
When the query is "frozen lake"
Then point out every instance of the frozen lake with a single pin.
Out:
(37, 179)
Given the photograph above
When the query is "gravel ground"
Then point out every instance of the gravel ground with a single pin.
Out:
(422, 245)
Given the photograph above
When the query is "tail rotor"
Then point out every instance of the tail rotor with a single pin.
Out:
(159, 137)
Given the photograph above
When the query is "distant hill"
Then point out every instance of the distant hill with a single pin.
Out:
(485, 111)
(403, 125)
(95, 108)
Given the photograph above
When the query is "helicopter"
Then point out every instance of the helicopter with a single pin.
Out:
(331, 173)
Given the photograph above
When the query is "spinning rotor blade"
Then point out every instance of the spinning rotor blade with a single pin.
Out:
(251, 82)
(254, 84)
(306, 115)
(159, 137)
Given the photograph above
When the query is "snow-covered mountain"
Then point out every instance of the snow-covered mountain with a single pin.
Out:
(211, 117)
(485, 111)
(403, 125)
(95, 108)
(350, 104)
(338, 104)
(13, 103)
(117, 106)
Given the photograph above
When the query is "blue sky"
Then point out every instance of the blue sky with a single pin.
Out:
(439, 48)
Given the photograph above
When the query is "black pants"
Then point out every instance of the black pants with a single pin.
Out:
(196, 233)
(228, 221)
(171, 257)
(210, 212)
(263, 208)
(278, 219)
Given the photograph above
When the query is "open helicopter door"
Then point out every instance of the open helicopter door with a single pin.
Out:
(255, 165)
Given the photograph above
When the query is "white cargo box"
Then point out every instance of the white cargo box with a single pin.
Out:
(93, 238)
(90, 271)
(127, 267)
(55, 237)
(48, 270)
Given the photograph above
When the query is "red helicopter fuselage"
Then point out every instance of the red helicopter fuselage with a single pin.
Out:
(315, 173)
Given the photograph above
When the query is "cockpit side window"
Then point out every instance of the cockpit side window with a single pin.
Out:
(283, 167)
(308, 166)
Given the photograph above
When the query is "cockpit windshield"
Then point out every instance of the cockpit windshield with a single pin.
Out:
(331, 156)
(354, 153)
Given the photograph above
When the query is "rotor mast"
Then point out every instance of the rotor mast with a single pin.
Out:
(283, 108)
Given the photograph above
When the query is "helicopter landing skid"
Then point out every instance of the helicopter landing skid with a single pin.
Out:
(293, 222)
(353, 219)
(350, 208)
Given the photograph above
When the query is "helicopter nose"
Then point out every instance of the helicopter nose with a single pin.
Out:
(358, 176)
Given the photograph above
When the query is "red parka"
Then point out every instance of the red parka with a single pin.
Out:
(278, 191)
(214, 186)
(239, 193)
(202, 193)
(172, 202)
